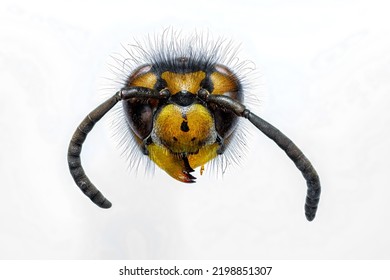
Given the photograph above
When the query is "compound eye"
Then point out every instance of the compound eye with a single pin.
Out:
(140, 118)
(139, 112)
(225, 82)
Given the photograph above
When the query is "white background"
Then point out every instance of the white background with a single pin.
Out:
(325, 72)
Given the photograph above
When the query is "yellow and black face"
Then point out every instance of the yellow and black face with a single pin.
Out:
(182, 133)
(181, 106)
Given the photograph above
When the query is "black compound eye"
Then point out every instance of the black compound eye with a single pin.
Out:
(139, 116)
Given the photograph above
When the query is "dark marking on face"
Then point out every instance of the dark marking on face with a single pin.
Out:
(183, 98)
(184, 126)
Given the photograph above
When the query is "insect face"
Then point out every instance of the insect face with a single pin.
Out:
(182, 132)
(181, 104)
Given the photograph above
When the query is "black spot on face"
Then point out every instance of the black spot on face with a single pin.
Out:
(184, 126)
